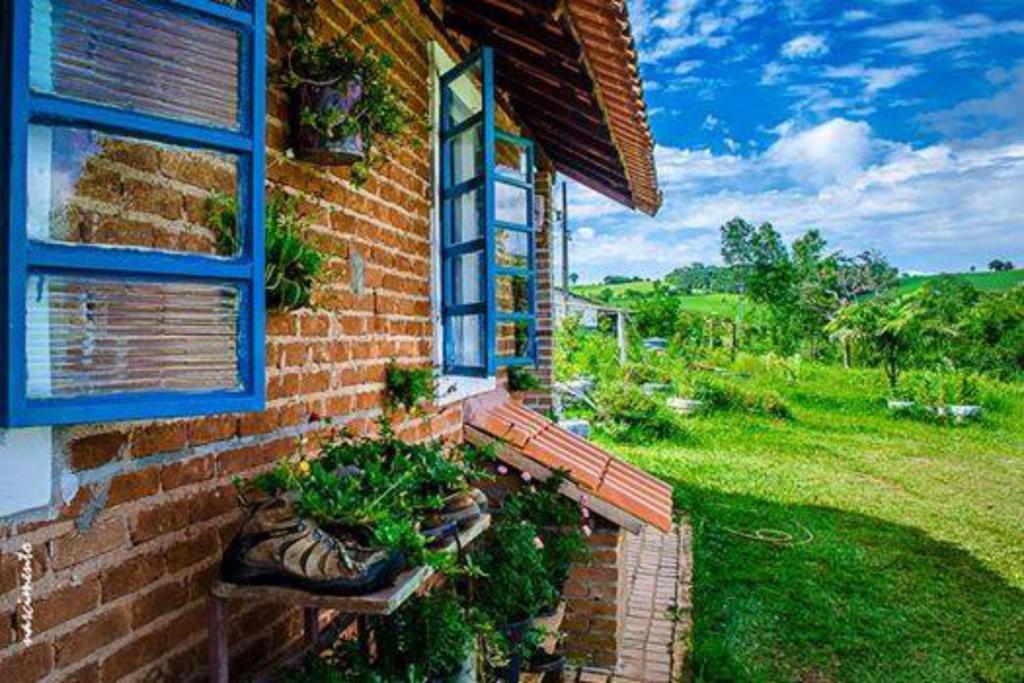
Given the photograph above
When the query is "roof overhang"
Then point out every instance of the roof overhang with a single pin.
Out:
(569, 70)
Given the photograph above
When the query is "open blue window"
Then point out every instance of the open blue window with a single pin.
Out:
(488, 246)
(125, 121)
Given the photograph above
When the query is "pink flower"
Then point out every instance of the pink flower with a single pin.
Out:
(586, 531)
(584, 499)
(502, 470)
(538, 543)
(585, 512)
(526, 476)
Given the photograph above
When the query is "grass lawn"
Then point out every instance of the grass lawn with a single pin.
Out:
(908, 563)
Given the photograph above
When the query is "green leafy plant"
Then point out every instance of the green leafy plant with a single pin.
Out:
(409, 388)
(517, 584)
(629, 414)
(292, 264)
(381, 485)
(559, 520)
(523, 379)
(720, 394)
(432, 634)
(378, 115)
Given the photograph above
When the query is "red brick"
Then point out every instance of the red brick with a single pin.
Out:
(92, 451)
(133, 485)
(75, 547)
(192, 550)
(241, 459)
(158, 520)
(90, 673)
(130, 576)
(280, 325)
(257, 423)
(157, 603)
(27, 666)
(212, 429)
(65, 604)
(159, 438)
(315, 325)
(185, 473)
(200, 582)
(91, 636)
(141, 651)
(215, 503)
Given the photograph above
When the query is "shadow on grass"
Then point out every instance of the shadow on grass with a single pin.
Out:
(853, 598)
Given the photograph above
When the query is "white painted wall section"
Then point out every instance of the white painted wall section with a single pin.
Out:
(26, 462)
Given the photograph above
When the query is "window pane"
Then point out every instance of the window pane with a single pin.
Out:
(96, 336)
(467, 216)
(464, 96)
(467, 339)
(467, 271)
(512, 206)
(512, 160)
(136, 55)
(513, 248)
(513, 294)
(88, 187)
(514, 340)
(467, 155)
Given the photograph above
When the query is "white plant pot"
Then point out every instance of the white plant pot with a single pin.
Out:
(963, 412)
(900, 405)
(651, 388)
(580, 428)
(685, 406)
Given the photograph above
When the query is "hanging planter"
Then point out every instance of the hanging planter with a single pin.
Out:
(345, 109)
(316, 103)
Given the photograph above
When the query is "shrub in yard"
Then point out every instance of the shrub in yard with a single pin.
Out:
(626, 413)
(720, 394)
(409, 387)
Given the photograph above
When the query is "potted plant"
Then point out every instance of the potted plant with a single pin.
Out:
(963, 395)
(346, 110)
(902, 396)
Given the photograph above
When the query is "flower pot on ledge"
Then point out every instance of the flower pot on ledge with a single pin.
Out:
(311, 144)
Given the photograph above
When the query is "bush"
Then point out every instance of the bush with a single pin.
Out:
(516, 583)
(628, 414)
(720, 394)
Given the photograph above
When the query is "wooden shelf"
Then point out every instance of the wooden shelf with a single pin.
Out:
(380, 603)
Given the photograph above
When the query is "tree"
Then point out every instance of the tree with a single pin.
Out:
(574, 278)
(998, 265)
(886, 327)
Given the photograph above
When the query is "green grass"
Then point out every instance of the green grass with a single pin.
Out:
(913, 565)
(717, 304)
(984, 281)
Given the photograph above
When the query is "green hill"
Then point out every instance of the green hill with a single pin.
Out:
(1007, 279)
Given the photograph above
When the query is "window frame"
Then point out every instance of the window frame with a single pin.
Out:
(486, 182)
(21, 257)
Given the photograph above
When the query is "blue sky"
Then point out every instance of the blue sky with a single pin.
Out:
(888, 124)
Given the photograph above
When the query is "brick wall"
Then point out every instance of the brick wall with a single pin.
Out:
(122, 569)
(543, 400)
(595, 601)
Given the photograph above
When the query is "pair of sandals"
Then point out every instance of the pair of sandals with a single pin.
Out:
(277, 547)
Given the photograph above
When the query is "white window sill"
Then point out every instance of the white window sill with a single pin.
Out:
(453, 388)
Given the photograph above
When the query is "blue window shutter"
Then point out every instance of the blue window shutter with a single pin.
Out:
(473, 330)
(117, 269)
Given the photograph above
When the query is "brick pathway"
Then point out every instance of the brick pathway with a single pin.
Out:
(654, 643)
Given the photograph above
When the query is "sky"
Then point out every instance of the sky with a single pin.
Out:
(895, 125)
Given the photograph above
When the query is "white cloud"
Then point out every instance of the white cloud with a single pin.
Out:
(834, 151)
(874, 79)
(1000, 117)
(731, 145)
(585, 233)
(710, 122)
(686, 67)
(774, 72)
(675, 15)
(805, 47)
(854, 15)
(926, 36)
